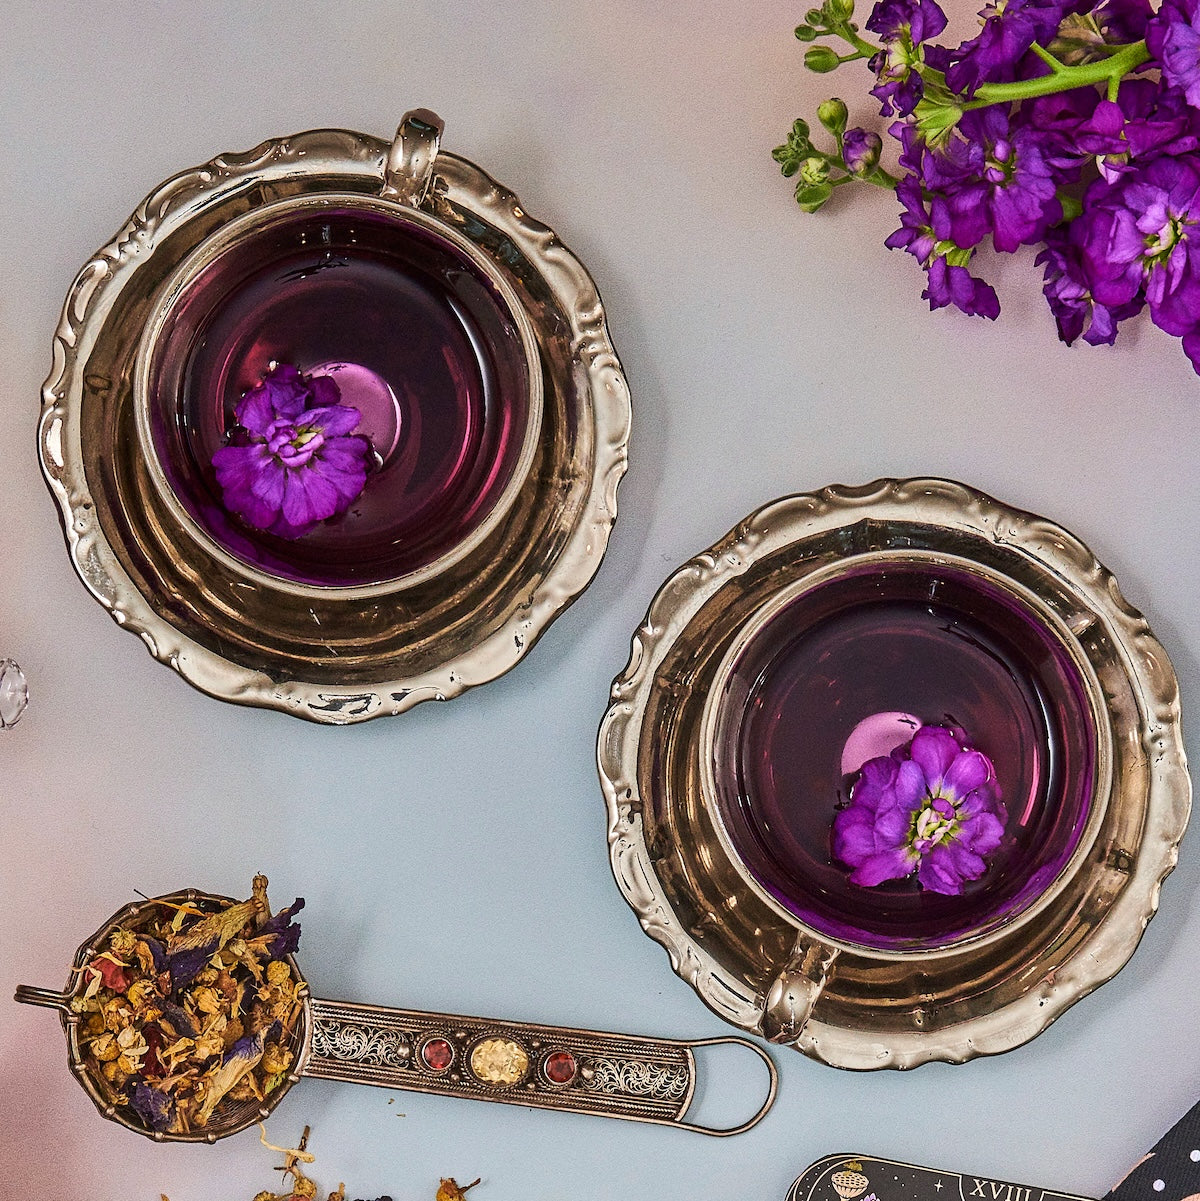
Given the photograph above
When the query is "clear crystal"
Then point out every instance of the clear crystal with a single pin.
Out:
(14, 694)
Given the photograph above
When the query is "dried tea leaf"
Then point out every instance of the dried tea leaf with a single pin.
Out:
(177, 1012)
(242, 1058)
(449, 1189)
(301, 1187)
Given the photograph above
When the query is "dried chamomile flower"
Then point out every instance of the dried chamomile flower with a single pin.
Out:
(449, 1190)
(302, 1188)
(179, 1010)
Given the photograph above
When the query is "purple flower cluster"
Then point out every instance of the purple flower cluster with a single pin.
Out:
(1072, 126)
(903, 26)
(931, 807)
(295, 459)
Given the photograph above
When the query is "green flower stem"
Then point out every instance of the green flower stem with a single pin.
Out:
(864, 48)
(881, 178)
(1048, 58)
(1128, 59)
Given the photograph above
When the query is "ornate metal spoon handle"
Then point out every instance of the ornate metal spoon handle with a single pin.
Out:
(547, 1067)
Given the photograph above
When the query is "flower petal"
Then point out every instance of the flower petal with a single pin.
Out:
(853, 838)
(334, 419)
(934, 749)
(874, 779)
(885, 865)
(910, 787)
(323, 391)
(982, 833)
(967, 771)
(937, 872)
(892, 825)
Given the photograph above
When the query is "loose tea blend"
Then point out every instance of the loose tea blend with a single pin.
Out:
(191, 1007)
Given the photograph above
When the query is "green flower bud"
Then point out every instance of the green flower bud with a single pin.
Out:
(838, 12)
(810, 197)
(813, 171)
(822, 60)
(833, 114)
(815, 17)
(806, 33)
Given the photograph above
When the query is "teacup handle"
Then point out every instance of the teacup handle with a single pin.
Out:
(544, 1067)
(796, 989)
(408, 171)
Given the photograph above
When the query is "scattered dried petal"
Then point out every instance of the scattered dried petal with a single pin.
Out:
(449, 1189)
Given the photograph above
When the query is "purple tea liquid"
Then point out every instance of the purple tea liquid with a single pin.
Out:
(418, 340)
(949, 649)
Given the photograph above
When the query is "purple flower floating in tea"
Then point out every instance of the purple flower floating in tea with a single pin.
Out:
(295, 460)
(931, 807)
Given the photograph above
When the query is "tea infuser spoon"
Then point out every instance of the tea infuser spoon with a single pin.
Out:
(627, 1076)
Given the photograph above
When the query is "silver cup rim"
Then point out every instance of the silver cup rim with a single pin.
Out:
(246, 227)
(712, 713)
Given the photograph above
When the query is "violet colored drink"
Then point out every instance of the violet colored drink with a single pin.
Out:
(418, 340)
(950, 649)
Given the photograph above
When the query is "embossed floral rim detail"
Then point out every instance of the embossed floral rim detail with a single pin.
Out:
(932, 807)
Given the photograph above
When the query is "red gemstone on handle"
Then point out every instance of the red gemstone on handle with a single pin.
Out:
(559, 1067)
(437, 1054)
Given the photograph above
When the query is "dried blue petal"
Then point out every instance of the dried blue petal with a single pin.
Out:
(184, 966)
(155, 1108)
(178, 1018)
(157, 952)
(280, 936)
(241, 1058)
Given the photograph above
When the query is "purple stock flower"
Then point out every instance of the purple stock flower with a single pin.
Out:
(916, 230)
(1010, 28)
(298, 461)
(931, 807)
(902, 25)
(1140, 236)
(948, 281)
(860, 150)
(1067, 291)
(1123, 21)
(993, 178)
(1146, 120)
(1173, 38)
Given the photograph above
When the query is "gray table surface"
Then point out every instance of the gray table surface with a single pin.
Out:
(455, 857)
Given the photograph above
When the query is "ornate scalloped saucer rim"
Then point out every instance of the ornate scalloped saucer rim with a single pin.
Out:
(1108, 946)
(338, 154)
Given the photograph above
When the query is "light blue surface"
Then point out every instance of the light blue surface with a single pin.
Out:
(455, 857)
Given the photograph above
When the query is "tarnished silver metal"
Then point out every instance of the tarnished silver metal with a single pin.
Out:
(614, 1075)
(162, 312)
(409, 169)
(334, 655)
(761, 968)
